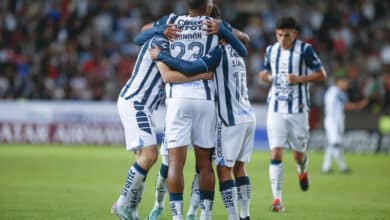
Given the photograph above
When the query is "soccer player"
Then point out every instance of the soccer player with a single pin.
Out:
(231, 68)
(336, 102)
(236, 123)
(138, 98)
(191, 113)
(201, 65)
(289, 64)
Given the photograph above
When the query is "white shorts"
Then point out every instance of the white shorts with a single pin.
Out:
(190, 121)
(138, 125)
(233, 143)
(288, 130)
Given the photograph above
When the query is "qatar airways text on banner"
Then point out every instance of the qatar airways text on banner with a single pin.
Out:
(70, 133)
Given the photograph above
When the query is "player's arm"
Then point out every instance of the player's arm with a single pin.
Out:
(350, 106)
(168, 30)
(225, 31)
(170, 76)
(242, 36)
(203, 64)
(266, 74)
(159, 27)
(313, 62)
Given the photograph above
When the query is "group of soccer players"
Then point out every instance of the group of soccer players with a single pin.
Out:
(196, 62)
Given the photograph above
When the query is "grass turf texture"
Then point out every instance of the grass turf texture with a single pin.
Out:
(78, 182)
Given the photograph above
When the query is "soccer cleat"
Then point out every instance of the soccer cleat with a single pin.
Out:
(304, 181)
(190, 217)
(155, 213)
(277, 205)
(122, 212)
(246, 218)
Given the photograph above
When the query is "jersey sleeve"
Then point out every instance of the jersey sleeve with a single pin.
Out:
(144, 36)
(267, 60)
(311, 59)
(201, 65)
(162, 43)
(161, 21)
(227, 25)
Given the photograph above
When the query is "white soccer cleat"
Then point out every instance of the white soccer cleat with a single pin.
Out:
(123, 212)
(156, 213)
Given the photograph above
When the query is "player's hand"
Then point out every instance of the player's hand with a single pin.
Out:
(154, 51)
(265, 76)
(171, 32)
(207, 76)
(211, 26)
(293, 79)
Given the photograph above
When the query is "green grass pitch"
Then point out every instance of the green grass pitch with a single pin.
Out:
(78, 182)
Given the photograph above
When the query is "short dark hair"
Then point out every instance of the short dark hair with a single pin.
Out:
(215, 12)
(287, 23)
(197, 4)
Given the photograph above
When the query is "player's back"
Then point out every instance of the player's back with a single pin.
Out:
(145, 85)
(192, 42)
(233, 102)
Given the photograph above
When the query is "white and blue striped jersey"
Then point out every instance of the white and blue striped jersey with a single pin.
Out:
(193, 42)
(145, 86)
(301, 59)
(335, 100)
(232, 91)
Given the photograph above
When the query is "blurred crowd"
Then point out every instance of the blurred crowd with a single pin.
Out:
(84, 49)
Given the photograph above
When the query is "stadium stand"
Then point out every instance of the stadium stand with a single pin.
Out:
(84, 49)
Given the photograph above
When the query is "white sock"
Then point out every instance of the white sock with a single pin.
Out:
(206, 204)
(244, 195)
(161, 186)
(276, 178)
(195, 196)
(176, 205)
(229, 198)
(134, 180)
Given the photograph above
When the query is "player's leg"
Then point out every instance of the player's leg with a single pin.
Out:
(242, 179)
(203, 135)
(332, 137)
(276, 178)
(243, 189)
(277, 137)
(195, 196)
(176, 161)
(302, 162)
(178, 136)
(298, 139)
(327, 161)
(338, 153)
(142, 141)
(161, 186)
(206, 181)
(228, 190)
(128, 201)
(233, 148)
